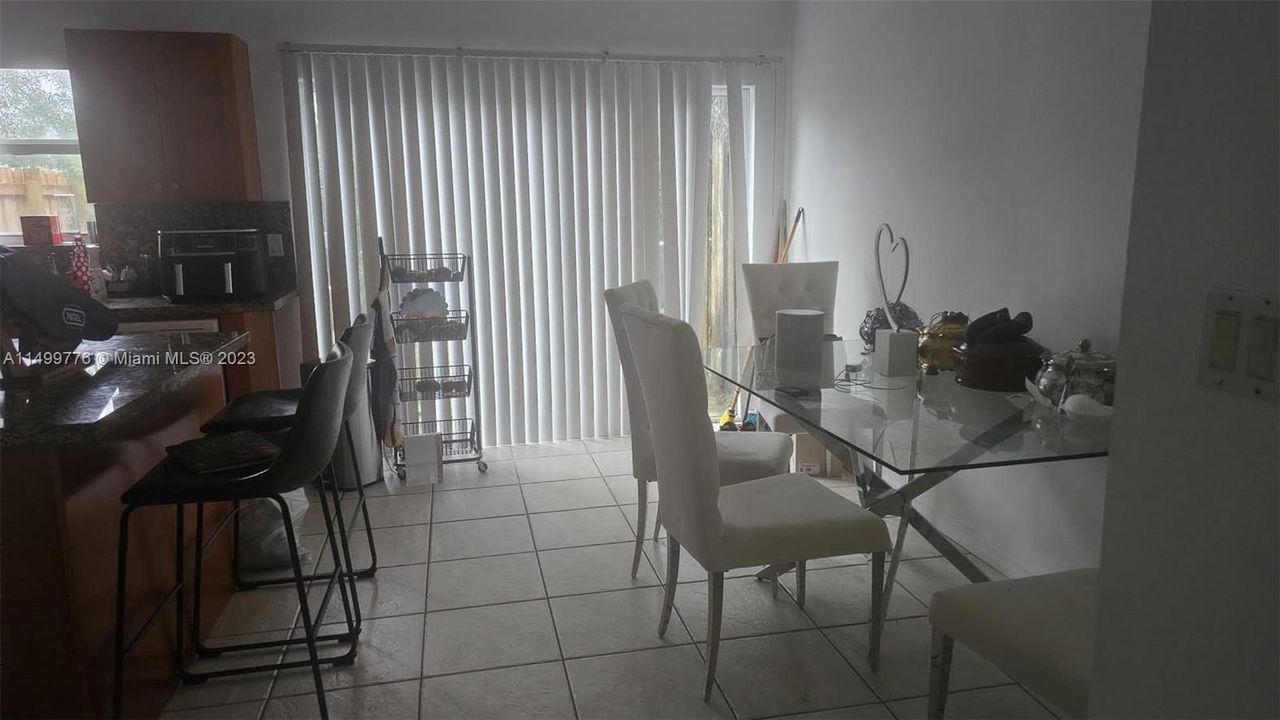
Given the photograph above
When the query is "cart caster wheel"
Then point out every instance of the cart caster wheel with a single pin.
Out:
(401, 472)
(482, 466)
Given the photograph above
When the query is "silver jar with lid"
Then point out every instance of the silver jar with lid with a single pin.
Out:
(1082, 371)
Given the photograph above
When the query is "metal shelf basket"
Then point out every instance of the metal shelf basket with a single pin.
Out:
(428, 268)
(457, 435)
(455, 325)
(436, 382)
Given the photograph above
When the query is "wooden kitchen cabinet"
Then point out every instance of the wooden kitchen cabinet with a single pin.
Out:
(164, 116)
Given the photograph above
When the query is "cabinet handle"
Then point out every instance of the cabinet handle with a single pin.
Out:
(173, 185)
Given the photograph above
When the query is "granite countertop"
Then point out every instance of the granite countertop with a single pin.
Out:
(130, 373)
(156, 307)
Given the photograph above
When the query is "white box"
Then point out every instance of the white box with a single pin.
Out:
(424, 458)
(895, 354)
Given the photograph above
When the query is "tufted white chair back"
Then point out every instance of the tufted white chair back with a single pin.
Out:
(668, 364)
(789, 286)
(639, 293)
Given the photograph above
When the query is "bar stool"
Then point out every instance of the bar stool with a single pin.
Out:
(270, 411)
(306, 450)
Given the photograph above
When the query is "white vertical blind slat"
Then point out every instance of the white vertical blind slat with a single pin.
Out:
(525, 376)
(334, 243)
(652, 225)
(542, 250)
(508, 334)
(479, 239)
(456, 181)
(595, 407)
(368, 153)
(740, 200)
(560, 227)
(300, 127)
(352, 69)
(699, 93)
(579, 351)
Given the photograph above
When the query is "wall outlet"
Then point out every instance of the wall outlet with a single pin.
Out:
(275, 244)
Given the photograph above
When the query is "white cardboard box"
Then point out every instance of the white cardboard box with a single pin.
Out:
(424, 458)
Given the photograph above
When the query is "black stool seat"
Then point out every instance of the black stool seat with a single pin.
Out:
(171, 482)
(263, 411)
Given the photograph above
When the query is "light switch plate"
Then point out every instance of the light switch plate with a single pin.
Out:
(275, 244)
(1240, 343)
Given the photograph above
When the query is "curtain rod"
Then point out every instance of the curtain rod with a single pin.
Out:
(514, 55)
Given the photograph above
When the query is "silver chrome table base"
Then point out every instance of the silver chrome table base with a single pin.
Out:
(884, 500)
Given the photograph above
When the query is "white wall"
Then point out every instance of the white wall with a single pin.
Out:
(1189, 604)
(31, 35)
(999, 138)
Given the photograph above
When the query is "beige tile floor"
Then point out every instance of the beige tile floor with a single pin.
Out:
(508, 594)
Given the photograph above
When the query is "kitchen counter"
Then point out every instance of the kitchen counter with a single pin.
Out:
(130, 374)
(156, 307)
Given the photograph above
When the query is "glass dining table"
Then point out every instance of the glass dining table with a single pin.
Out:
(899, 437)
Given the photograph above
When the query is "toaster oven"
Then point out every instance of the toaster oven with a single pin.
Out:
(202, 265)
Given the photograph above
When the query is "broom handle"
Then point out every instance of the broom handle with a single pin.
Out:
(795, 226)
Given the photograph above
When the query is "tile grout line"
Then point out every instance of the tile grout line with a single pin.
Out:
(533, 540)
(426, 592)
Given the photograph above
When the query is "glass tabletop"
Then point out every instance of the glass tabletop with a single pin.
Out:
(917, 424)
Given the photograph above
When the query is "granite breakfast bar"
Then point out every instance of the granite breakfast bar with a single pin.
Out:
(67, 451)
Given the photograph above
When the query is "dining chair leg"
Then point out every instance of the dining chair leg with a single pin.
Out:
(341, 560)
(673, 576)
(308, 625)
(715, 606)
(877, 610)
(372, 569)
(939, 674)
(657, 522)
(801, 566)
(642, 510)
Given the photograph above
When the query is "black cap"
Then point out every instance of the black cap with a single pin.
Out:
(53, 307)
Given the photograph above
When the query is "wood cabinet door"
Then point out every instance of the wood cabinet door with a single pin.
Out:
(205, 111)
(116, 119)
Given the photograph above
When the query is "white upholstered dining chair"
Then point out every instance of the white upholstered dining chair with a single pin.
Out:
(1039, 630)
(741, 456)
(788, 286)
(777, 519)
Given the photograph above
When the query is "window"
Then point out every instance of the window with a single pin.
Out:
(40, 171)
(719, 321)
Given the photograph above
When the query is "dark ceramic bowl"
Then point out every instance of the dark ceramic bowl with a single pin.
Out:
(1003, 366)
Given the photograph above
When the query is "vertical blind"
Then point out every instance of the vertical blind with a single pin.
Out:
(560, 178)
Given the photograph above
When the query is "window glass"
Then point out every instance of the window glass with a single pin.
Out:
(40, 172)
(36, 105)
(42, 185)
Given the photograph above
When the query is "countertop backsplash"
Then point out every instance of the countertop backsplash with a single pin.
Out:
(127, 229)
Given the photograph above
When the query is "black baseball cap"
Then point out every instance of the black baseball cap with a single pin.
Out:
(48, 303)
